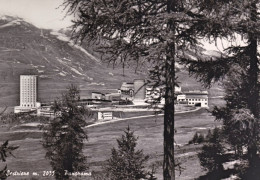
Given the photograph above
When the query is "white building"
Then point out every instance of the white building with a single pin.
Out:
(28, 94)
(194, 98)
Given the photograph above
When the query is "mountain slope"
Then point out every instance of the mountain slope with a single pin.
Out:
(26, 49)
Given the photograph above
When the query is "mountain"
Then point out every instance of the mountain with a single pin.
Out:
(52, 56)
(26, 49)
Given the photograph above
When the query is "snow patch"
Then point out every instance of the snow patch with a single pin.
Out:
(12, 23)
(70, 67)
(64, 38)
(62, 73)
(66, 59)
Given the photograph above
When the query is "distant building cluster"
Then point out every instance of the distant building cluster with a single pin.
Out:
(130, 93)
(140, 93)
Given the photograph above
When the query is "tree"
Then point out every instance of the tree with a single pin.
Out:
(5, 150)
(234, 21)
(156, 32)
(210, 156)
(126, 162)
(65, 136)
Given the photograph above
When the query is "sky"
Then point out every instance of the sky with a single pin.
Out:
(44, 14)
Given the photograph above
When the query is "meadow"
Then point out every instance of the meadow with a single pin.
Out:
(30, 156)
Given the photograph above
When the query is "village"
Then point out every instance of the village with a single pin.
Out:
(131, 96)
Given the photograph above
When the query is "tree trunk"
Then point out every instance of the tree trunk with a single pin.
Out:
(253, 89)
(168, 162)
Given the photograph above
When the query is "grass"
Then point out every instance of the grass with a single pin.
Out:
(30, 155)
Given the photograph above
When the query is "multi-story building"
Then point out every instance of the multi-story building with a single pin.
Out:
(28, 94)
(28, 91)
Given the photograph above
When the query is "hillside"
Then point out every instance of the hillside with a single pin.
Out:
(52, 56)
(26, 49)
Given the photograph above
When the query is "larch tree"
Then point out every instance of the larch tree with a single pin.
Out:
(64, 137)
(153, 31)
(233, 21)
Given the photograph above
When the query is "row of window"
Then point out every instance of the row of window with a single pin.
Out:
(194, 103)
(193, 99)
(27, 105)
(197, 99)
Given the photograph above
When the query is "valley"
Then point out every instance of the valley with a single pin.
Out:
(58, 63)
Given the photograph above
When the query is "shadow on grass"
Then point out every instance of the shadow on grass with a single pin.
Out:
(216, 175)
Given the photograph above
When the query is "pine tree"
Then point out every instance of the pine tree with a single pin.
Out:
(126, 162)
(64, 138)
(210, 156)
(157, 33)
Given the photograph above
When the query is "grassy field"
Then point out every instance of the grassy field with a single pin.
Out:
(30, 155)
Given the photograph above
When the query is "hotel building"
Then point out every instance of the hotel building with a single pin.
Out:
(28, 93)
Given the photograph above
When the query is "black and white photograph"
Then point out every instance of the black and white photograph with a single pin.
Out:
(129, 90)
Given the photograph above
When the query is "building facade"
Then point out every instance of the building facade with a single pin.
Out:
(28, 94)
(28, 91)
(194, 98)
